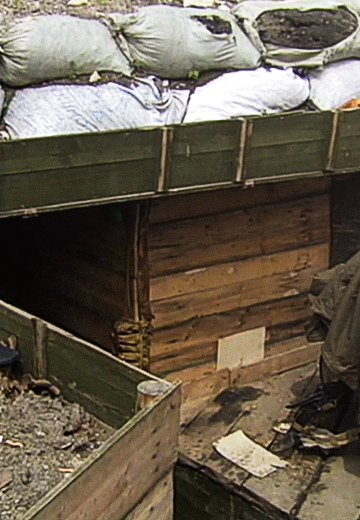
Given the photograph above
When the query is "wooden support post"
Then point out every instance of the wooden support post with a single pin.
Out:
(40, 348)
(149, 390)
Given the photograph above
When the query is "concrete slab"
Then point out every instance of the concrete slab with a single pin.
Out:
(337, 493)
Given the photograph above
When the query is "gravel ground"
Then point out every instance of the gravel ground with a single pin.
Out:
(43, 439)
(90, 8)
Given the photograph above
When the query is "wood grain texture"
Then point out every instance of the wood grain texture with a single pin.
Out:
(190, 244)
(187, 206)
(158, 503)
(275, 276)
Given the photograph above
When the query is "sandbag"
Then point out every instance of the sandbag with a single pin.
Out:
(301, 32)
(73, 109)
(335, 84)
(175, 42)
(2, 99)
(46, 47)
(247, 92)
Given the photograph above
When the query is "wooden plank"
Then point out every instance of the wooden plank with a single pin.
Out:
(188, 206)
(88, 149)
(205, 153)
(92, 377)
(347, 152)
(287, 144)
(158, 503)
(200, 330)
(201, 381)
(226, 273)
(278, 276)
(100, 490)
(191, 244)
(275, 364)
(51, 189)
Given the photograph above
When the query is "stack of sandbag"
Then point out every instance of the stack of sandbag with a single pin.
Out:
(45, 47)
(335, 85)
(302, 32)
(176, 42)
(72, 109)
(247, 92)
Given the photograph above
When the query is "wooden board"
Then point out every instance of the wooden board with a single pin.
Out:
(158, 503)
(190, 205)
(204, 153)
(192, 244)
(289, 144)
(278, 276)
(113, 481)
(347, 153)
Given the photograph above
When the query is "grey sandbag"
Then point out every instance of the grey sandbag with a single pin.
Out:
(74, 109)
(176, 42)
(302, 32)
(46, 47)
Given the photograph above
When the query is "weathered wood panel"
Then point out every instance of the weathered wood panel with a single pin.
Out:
(274, 277)
(195, 341)
(347, 155)
(204, 153)
(277, 141)
(191, 205)
(158, 503)
(222, 265)
(190, 244)
(100, 490)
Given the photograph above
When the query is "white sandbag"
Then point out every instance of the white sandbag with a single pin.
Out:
(46, 47)
(250, 13)
(335, 84)
(247, 92)
(173, 42)
(73, 109)
(2, 99)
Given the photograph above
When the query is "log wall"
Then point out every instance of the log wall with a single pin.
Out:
(228, 261)
(74, 268)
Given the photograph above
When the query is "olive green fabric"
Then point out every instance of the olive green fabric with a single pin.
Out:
(335, 295)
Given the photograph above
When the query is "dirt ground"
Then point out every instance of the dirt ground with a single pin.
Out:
(313, 29)
(43, 439)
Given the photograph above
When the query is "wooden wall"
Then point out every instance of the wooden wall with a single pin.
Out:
(73, 268)
(227, 261)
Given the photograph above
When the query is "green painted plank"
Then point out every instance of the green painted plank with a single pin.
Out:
(90, 376)
(18, 323)
(62, 152)
(288, 144)
(44, 188)
(204, 153)
(348, 149)
(202, 170)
